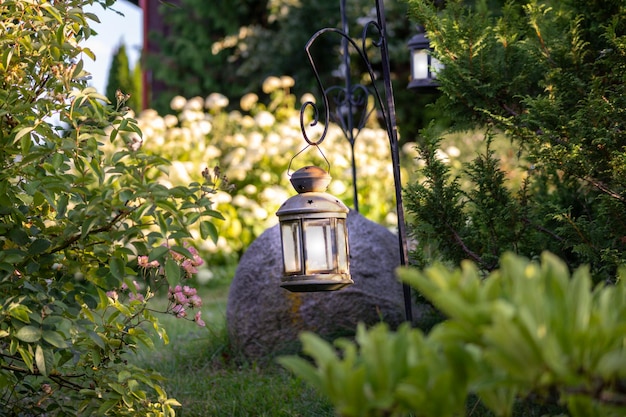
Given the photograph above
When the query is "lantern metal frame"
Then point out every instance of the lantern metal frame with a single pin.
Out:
(422, 61)
(314, 235)
(356, 96)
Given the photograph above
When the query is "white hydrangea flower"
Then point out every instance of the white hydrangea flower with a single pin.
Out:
(337, 187)
(453, 151)
(307, 97)
(170, 120)
(211, 152)
(442, 156)
(248, 101)
(287, 82)
(196, 103)
(216, 101)
(250, 189)
(271, 84)
(178, 103)
(265, 119)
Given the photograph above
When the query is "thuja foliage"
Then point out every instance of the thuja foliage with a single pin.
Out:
(505, 344)
(550, 76)
(82, 228)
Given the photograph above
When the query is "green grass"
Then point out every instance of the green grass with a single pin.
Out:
(209, 379)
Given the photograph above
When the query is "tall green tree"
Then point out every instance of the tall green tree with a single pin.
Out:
(122, 80)
(551, 77)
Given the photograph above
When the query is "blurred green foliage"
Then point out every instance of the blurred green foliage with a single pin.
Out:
(230, 46)
(122, 83)
(529, 332)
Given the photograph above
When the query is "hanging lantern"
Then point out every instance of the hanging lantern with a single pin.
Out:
(424, 66)
(314, 235)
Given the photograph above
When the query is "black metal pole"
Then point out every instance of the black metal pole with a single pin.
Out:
(349, 129)
(355, 96)
(392, 132)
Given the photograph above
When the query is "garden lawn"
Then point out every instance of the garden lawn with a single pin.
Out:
(209, 379)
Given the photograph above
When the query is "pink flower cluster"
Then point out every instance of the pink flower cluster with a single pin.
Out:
(132, 295)
(189, 264)
(143, 262)
(183, 298)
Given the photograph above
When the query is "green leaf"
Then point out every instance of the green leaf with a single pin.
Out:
(22, 133)
(40, 361)
(29, 334)
(87, 226)
(27, 357)
(172, 272)
(20, 312)
(39, 246)
(208, 229)
(181, 250)
(157, 253)
(117, 267)
(54, 338)
(301, 368)
(18, 235)
(214, 213)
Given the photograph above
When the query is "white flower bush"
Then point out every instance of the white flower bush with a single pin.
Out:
(256, 148)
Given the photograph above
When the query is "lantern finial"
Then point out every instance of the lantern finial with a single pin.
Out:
(310, 179)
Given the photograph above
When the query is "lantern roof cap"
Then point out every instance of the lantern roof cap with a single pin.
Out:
(310, 179)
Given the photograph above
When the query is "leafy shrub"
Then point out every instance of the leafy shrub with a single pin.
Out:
(529, 331)
(83, 222)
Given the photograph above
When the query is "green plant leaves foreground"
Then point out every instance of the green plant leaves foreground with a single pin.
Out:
(85, 226)
(529, 329)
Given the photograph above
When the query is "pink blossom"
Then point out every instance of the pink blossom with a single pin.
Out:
(198, 320)
(180, 298)
(143, 262)
(195, 301)
(112, 294)
(176, 256)
(138, 297)
(189, 267)
(179, 311)
(196, 260)
(189, 291)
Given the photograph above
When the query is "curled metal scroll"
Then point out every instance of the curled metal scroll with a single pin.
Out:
(356, 96)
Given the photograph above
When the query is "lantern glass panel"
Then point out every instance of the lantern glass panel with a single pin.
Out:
(292, 246)
(420, 64)
(318, 238)
(342, 248)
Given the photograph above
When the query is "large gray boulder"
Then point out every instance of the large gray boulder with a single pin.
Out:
(264, 319)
